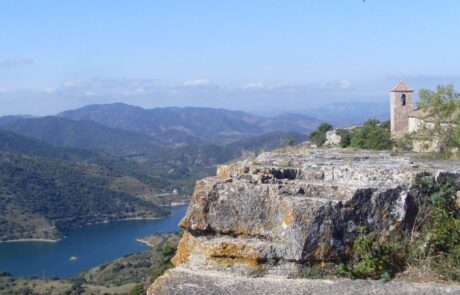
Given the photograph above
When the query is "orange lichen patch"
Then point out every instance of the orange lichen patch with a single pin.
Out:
(223, 171)
(232, 250)
(289, 217)
(184, 223)
(185, 247)
(231, 253)
(289, 214)
(224, 261)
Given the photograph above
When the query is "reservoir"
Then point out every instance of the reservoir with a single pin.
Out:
(84, 247)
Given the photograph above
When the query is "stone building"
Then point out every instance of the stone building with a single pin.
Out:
(404, 117)
(401, 108)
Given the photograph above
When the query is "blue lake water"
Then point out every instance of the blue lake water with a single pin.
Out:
(92, 245)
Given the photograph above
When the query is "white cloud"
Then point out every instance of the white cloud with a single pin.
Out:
(16, 61)
(344, 84)
(254, 86)
(73, 84)
(197, 83)
(49, 89)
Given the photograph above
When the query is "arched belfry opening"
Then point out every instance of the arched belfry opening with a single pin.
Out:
(403, 99)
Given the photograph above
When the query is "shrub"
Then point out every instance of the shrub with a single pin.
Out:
(318, 136)
(345, 137)
(164, 263)
(374, 259)
(436, 246)
(372, 135)
(292, 142)
(439, 246)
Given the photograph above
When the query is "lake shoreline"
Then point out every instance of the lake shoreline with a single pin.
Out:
(140, 240)
(93, 245)
(41, 240)
(31, 240)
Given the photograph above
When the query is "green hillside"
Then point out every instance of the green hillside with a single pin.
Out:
(46, 190)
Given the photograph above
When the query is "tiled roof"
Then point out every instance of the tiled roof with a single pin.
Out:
(402, 87)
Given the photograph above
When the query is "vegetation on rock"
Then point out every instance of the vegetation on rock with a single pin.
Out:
(318, 136)
(372, 135)
(432, 246)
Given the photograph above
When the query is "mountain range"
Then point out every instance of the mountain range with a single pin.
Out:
(190, 125)
(105, 162)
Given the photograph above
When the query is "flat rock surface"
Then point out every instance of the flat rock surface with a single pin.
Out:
(253, 227)
(183, 281)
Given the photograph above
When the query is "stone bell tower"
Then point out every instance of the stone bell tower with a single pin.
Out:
(401, 105)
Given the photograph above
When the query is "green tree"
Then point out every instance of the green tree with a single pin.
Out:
(292, 142)
(318, 136)
(442, 108)
(372, 135)
(345, 137)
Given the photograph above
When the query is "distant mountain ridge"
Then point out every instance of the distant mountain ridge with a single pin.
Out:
(182, 125)
(59, 131)
(350, 113)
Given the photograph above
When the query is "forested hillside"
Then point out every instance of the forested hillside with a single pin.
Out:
(46, 190)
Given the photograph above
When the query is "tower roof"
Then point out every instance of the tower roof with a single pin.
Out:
(402, 87)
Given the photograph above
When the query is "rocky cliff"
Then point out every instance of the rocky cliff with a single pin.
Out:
(270, 216)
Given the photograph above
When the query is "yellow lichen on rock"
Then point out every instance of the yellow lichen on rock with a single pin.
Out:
(232, 250)
(183, 249)
(231, 253)
(223, 171)
(289, 214)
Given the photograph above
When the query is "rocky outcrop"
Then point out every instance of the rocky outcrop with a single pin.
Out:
(272, 215)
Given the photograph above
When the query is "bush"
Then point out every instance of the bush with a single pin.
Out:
(439, 246)
(436, 246)
(168, 251)
(164, 263)
(372, 135)
(374, 259)
(137, 290)
(318, 136)
(345, 137)
(292, 142)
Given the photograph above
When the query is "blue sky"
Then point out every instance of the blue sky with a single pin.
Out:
(249, 55)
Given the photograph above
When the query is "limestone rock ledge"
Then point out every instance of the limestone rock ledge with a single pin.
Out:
(271, 215)
(179, 281)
